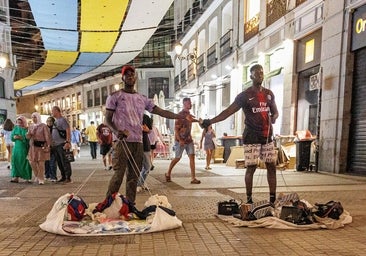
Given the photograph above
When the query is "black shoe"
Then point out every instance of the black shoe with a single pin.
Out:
(61, 180)
(152, 168)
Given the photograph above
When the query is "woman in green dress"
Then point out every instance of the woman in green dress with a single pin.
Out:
(20, 167)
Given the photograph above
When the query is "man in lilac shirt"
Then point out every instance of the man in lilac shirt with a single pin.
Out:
(124, 114)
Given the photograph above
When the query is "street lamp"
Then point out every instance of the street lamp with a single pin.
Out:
(178, 48)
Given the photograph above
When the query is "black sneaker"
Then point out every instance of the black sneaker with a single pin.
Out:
(61, 180)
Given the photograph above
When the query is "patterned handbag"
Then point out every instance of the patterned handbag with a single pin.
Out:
(69, 156)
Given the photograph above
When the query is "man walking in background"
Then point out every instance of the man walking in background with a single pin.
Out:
(91, 132)
(105, 141)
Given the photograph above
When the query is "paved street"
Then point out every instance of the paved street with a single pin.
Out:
(24, 206)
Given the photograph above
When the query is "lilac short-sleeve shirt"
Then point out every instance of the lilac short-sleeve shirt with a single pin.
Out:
(128, 112)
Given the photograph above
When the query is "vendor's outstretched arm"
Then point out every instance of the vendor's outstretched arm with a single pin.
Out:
(225, 113)
(170, 115)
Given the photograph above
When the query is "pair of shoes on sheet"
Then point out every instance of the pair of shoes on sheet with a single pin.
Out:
(167, 178)
(195, 181)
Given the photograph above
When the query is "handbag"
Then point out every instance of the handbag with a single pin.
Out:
(39, 144)
(69, 156)
(228, 207)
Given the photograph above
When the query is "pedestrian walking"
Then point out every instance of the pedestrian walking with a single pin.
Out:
(61, 134)
(183, 142)
(91, 132)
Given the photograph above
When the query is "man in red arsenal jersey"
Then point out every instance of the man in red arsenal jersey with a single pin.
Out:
(260, 110)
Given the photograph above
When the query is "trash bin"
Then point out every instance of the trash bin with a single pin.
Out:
(303, 148)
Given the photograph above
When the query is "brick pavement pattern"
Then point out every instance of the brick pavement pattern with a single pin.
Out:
(24, 206)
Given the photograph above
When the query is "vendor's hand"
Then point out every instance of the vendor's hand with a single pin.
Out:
(67, 146)
(123, 134)
(204, 123)
(145, 128)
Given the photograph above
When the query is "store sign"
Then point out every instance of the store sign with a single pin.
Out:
(359, 28)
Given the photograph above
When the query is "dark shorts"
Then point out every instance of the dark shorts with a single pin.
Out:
(252, 137)
(105, 148)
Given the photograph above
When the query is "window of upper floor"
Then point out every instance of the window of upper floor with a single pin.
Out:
(2, 87)
(104, 94)
(252, 9)
(89, 98)
(96, 97)
(157, 84)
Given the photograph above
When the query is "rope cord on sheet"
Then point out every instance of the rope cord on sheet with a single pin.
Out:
(133, 162)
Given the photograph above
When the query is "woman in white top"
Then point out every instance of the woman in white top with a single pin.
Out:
(6, 132)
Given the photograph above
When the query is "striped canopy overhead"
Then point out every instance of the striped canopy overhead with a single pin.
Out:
(84, 38)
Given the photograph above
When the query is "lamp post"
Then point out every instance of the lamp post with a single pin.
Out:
(191, 56)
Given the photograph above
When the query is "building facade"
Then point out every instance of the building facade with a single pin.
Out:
(7, 66)
(306, 49)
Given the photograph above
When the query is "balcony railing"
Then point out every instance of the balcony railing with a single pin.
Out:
(251, 27)
(275, 10)
(201, 64)
(211, 56)
(183, 79)
(176, 83)
(191, 72)
(225, 44)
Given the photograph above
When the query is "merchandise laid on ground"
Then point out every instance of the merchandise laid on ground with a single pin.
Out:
(289, 212)
(71, 216)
